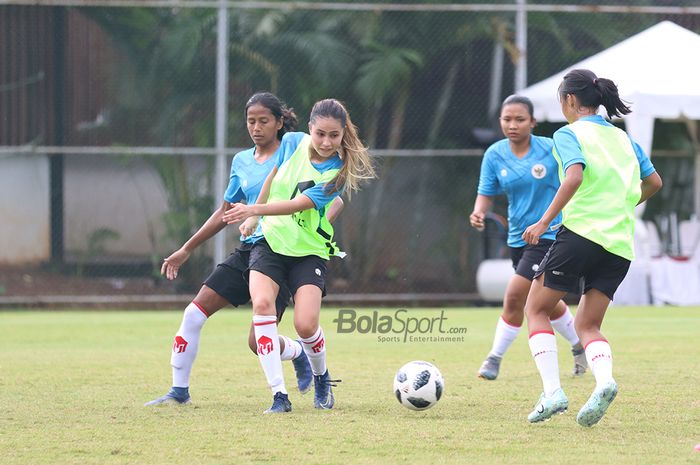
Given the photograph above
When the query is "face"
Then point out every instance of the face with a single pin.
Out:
(326, 135)
(516, 122)
(262, 125)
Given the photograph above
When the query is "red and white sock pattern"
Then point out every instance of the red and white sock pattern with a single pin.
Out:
(315, 348)
(599, 357)
(186, 344)
(543, 345)
(292, 348)
(265, 328)
(504, 337)
(564, 325)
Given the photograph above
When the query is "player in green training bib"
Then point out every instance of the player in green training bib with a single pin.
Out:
(296, 239)
(604, 176)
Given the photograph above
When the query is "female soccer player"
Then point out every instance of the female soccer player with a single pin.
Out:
(298, 238)
(601, 168)
(522, 167)
(268, 119)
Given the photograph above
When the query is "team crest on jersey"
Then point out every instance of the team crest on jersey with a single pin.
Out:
(244, 183)
(539, 171)
(504, 172)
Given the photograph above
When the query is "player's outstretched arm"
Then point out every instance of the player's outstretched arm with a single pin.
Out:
(213, 225)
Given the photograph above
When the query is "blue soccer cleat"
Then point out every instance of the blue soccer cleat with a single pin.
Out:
(546, 407)
(280, 404)
(177, 396)
(323, 392)
(596, 406)
(302, 368)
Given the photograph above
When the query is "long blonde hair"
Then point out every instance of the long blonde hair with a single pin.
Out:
(357, 162)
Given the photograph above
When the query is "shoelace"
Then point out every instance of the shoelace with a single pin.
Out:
(329, 382)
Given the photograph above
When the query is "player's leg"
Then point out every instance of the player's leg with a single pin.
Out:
(563, 322)
(600, 289)
(508, 326)
(290, 349)
(307, 281)
(589, 319)
(267, 271)
(184, 351)
(543, 346)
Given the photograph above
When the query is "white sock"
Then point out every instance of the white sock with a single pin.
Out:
(315, 348)
(186, 344)
(292, 348)
(543, 346)
(564, 325)
(269, 351)
(504, 337)
(599, 357)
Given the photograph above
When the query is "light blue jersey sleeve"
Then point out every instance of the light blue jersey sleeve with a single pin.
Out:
(488, 177)
(290, 142)
(646, 168)
(234, 191)
(568, 148)
(317, 193)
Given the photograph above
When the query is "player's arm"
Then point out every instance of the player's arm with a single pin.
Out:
(567, 189)
(650, 186)
(482, 205)
(335, 209)
(209, 229)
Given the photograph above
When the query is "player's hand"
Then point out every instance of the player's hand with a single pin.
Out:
(248, 227)
(533, 232)
(238, 212)
(172, 264)
(477, 220)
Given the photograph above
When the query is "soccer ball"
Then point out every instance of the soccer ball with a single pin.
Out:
(418, 385)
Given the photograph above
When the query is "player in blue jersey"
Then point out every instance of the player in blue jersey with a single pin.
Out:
(605, 175)
(523, 168)
(298, 239)
(267, 119)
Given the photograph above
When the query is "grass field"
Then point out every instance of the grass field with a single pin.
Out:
(72, 386)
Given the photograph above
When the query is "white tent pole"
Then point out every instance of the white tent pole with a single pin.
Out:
(521, 44)
(221, 119)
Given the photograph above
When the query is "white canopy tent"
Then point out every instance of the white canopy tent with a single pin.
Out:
(658, 72)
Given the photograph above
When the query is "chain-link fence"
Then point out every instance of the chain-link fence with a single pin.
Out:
(108, 128)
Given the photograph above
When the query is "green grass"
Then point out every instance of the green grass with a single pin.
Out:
(72, 386)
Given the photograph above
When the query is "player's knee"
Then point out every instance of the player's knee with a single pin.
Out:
(306, 329)
(264, 305)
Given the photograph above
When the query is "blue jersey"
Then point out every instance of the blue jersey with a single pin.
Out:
(569, 149)
(247, 178)
(529, 183)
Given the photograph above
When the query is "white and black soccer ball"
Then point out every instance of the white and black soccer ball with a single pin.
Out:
(418, 385)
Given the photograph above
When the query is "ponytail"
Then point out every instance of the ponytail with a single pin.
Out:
(592, 92)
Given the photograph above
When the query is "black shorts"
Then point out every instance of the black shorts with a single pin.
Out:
(572, 257)
(292, 272)
(229, 281)
(526, 260)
